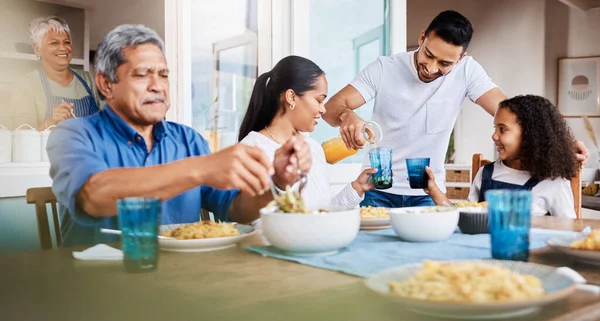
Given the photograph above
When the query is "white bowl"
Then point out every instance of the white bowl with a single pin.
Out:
(416, 224)
(310, 234)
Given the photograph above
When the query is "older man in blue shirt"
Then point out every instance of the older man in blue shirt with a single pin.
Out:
(128, 149)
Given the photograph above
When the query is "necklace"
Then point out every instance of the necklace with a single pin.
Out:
(273, 137)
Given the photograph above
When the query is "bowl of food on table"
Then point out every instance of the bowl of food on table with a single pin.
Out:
(424, 224)
(297, 230)
(473, 218)
(374, 218)
(583, 247)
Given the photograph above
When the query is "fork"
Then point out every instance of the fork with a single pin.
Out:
(278, 192)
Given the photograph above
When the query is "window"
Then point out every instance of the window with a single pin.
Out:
(344, 43)
(224, 65)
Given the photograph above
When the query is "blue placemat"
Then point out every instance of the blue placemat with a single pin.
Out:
(371, 252)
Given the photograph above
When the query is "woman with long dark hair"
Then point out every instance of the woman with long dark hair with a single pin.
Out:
(289, 100)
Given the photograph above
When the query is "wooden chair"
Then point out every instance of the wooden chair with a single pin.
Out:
(479, 161)
(40, 196)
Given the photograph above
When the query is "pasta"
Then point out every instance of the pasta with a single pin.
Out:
(471, 204)
(291, 202)
(202, 230)
(374, 212)
(590, 242)
(468, 282)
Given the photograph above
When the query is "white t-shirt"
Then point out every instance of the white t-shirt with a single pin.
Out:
(549, 196)
(417, 118)
(316, 193)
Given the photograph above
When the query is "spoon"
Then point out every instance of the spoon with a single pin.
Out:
(118, 232)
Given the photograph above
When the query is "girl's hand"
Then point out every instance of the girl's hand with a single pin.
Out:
(431, 185)
(363, 183)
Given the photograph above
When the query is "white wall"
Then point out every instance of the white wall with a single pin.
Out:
(584, 33)
(107, 14)
(557, 44)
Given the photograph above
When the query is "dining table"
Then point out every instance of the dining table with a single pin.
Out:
(231, 284)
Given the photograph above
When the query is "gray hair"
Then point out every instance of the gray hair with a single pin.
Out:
(39, 27)
(109, 55)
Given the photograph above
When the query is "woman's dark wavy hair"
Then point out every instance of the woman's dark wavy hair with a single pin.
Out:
(547, 146)
(292, 72)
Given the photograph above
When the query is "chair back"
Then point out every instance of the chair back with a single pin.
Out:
(40, 196)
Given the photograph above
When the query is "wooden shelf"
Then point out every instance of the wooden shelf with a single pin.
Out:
(32, 57)
(458, 184)
(457, 167)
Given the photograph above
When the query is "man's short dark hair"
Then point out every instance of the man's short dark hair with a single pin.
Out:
(452, 27)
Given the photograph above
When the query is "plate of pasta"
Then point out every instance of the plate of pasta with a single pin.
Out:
(202, 236)
(583, 247)
(374, 218)
(475, 289)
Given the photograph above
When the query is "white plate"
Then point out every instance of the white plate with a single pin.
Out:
(202, 245)
(375, 222)
(557, 287)
(563, 244)
(375, 228)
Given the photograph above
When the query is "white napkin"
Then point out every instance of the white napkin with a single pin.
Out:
(580, 280)
(99, 252)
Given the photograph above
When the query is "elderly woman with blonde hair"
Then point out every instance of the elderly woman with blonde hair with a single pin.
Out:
(53, 92)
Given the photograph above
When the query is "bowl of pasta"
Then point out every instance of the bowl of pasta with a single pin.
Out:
(299, 231)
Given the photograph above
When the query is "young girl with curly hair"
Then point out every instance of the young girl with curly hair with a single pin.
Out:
(535, 152)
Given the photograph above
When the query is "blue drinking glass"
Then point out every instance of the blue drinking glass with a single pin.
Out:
(509, 219)
(139, 219)
(417, 176)
(381, 159)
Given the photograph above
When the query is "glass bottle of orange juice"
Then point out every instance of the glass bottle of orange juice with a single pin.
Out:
(335, 149)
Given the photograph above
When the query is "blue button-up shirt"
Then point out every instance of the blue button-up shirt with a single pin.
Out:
(79, 148)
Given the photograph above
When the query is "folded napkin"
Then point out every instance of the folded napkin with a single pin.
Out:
(99, 252)
(372, 252)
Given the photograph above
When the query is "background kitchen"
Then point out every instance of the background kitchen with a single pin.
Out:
(217, 49)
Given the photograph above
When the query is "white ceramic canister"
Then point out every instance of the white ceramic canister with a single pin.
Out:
(5, 145)
(27, 145)
(45, 134)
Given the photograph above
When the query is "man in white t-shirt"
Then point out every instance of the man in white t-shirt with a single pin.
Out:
(418, 97)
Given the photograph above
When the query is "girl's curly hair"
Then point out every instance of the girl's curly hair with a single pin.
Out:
(548, 146)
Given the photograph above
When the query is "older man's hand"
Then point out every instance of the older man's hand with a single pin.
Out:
(242, 167)
(291, 159)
